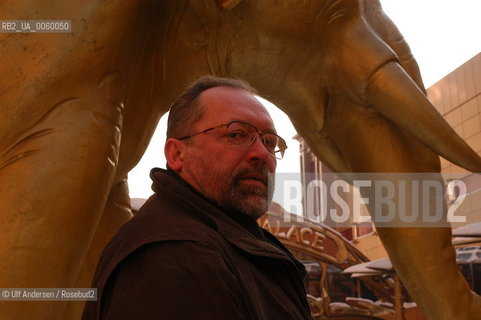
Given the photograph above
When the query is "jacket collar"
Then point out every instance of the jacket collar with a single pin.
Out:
(171, 186)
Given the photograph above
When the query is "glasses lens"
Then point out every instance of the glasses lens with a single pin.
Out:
(244, 134)
(271, 142)
(240, 133)
(280, 148)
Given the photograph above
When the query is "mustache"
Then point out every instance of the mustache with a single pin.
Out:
(259, 172)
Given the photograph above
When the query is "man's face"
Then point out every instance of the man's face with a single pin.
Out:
(234, 176)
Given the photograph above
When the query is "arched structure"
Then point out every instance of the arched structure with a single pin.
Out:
(78, 110)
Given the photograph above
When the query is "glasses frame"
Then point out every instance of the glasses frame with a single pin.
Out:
(279, 154)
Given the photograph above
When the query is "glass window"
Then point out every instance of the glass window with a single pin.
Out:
(464, 256)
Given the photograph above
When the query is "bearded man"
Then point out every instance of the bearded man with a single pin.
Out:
(194, 250)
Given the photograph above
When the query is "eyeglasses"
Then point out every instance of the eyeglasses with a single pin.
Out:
(244, 134)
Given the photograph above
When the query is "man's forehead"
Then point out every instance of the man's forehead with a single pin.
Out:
(226, 94)
(234, 104)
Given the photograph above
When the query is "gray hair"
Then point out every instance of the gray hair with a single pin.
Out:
(187, 109)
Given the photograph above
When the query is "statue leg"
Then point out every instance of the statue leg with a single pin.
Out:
(117, 212)
(55, 179)
(426, 263)
(420, 250)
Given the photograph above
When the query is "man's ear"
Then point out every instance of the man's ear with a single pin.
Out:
(174, 152)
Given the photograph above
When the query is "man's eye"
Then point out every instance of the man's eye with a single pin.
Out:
(270, 142)
(236, 134)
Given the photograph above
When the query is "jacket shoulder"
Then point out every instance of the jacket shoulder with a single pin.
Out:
(172, 280)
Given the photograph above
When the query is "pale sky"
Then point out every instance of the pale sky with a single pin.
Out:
(442, 35)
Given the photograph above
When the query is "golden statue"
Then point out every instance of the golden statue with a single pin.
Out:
(79, 109)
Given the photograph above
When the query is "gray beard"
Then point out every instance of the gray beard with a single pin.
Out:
(249, 200)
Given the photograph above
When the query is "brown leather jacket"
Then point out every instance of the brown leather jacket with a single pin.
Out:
(181, 257)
